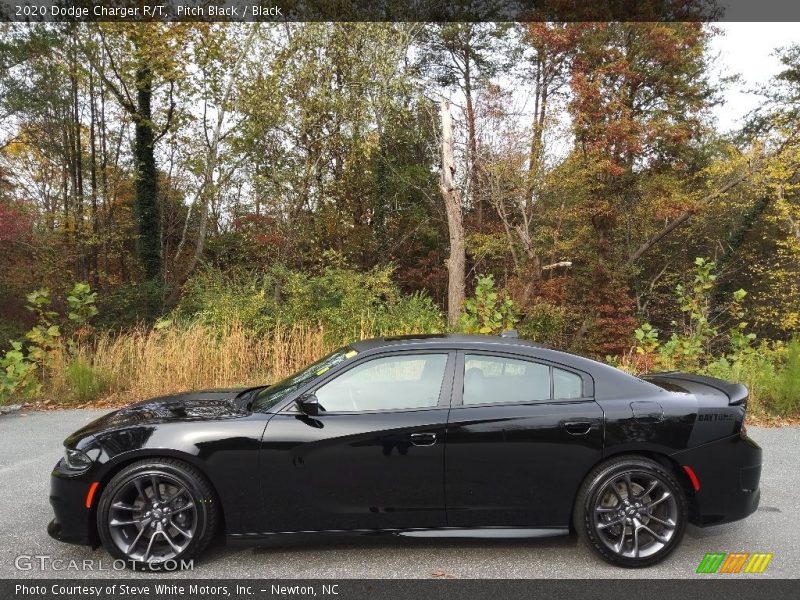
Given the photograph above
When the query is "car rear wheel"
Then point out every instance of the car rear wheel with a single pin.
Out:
(157, 514)
(631, 511)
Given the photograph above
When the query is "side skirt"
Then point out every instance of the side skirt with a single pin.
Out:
(248, 539)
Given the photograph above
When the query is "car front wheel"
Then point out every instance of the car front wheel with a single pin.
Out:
(157, 514)
(631, 511)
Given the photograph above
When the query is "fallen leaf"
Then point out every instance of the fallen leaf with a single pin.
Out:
(442, 574)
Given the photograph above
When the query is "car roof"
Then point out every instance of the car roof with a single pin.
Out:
(442, 339)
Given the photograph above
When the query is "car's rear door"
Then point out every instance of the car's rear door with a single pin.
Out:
(522, 434)
(373, 458)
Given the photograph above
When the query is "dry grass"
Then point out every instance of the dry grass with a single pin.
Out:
(114, 369)
(143, 363)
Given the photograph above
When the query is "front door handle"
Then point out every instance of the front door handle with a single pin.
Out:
(423, 439)
(577, 427)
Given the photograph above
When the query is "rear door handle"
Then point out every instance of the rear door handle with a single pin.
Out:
(577, 427)
(423, 439)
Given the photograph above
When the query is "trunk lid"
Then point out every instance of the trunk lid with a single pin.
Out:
(708, 390)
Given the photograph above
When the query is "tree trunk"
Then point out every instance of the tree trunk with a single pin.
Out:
(80, 237)
(455, 225)
(380, 208)
(207, 191)
(537, 140)
(148, 215)
(472, 148)
(93, 268)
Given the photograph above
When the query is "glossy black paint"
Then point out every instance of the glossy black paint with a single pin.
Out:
(354, 472)
(515, 465)
(203, 428)
(484, 470)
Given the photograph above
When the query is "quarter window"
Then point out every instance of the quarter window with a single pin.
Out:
(391, 383)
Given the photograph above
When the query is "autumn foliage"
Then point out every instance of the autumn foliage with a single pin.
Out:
(304, 163)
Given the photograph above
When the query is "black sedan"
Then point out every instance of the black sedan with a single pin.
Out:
(425, 436)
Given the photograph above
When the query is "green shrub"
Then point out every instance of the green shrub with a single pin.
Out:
(488, 311)
(698, 340)
(771, 373)
(544, 322)
(85, 383)
(17, 375)
(414, 313)
(9, 331)
(756, 370)
(215, 299)
(129, 305)
(348, 304)
(701, 344)
(31, 361)
(784, 390)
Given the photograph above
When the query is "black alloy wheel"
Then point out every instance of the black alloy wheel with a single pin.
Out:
(155, 514)
(631, 511)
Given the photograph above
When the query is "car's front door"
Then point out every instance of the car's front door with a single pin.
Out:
(521, 436)
(372, 459)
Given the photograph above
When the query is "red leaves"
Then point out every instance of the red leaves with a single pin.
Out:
(15, 224)
(261, 230)
(637, 89)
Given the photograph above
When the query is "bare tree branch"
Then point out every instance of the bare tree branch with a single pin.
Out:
(645, 247)
(170, 113)
(125, 99)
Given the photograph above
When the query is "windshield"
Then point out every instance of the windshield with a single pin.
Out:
(270, 396)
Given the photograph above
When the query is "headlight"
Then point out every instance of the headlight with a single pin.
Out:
(75, 460)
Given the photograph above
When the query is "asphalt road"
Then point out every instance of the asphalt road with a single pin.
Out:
(30, 444)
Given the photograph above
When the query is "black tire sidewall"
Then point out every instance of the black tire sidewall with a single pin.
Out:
(196, 488)
(594, 484)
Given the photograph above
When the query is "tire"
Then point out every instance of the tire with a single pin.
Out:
(631, 533)
(157, 514)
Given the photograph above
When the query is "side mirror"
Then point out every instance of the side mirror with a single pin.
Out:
(309, 405)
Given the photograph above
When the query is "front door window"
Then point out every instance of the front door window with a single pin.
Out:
(391, 383)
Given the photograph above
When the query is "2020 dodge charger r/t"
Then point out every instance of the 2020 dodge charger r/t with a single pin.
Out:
(419, 436)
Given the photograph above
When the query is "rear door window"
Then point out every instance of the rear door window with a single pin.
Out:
(502, 380)
(566, 385)
(496, 379)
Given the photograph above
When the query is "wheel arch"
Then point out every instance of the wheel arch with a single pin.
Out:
(119, 462)
(664, 459)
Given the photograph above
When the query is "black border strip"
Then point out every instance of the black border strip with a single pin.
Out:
(726, 588)
(399, 10)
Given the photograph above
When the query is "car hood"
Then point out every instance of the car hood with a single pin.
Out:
(204, 405)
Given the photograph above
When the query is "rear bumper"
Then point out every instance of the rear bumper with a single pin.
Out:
(728, 471)
(73, 522)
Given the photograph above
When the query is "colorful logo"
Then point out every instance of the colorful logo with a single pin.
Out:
(735, 562)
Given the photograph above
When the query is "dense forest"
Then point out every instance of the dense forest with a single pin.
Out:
(197, 204)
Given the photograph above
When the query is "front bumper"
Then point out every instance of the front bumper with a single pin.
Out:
(73, 522)
(729, 471)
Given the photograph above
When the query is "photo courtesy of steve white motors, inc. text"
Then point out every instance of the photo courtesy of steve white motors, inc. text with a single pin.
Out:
(168, 589)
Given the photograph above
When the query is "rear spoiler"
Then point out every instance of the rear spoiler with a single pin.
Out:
(736, 392)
